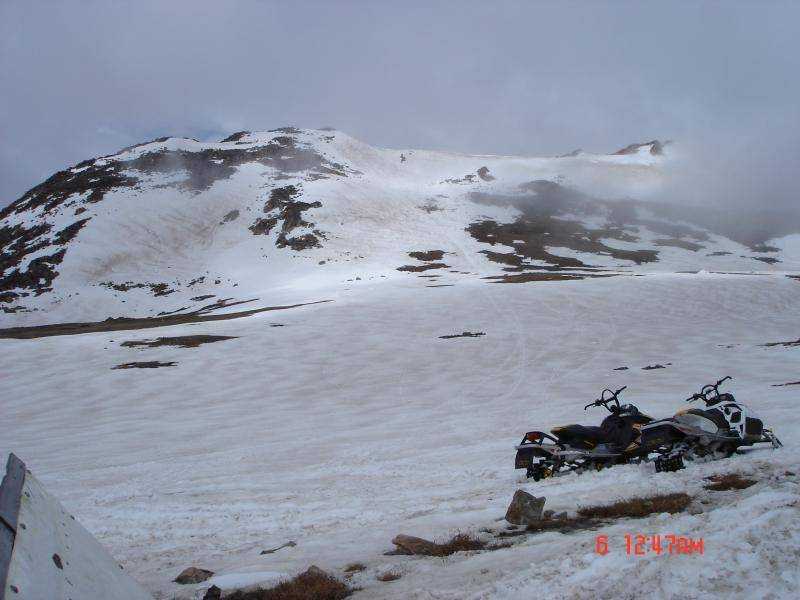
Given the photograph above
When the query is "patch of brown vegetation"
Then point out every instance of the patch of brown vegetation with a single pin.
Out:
(529, 277)
(784, 344)
(765, 259)
(123, 323)
(157, 289)
(461, 542)
(311, 585)
(388, 576)
(419, 268)
(729, 481)
(153, 364)
(355, 567)
(427, 256)
(184, 341)
(638, 507)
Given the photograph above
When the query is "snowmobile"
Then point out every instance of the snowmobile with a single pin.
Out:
(578, 447)
(717, 431)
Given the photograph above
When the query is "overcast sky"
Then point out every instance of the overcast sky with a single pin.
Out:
(82, 79)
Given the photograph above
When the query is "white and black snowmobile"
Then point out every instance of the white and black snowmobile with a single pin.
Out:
(578, 447)
(717, 431)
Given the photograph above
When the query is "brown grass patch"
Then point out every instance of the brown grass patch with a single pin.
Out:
(419, 268)
(123, 323)
(638, 507)
(730, 481)
(183, 341)
(151, 364)
(306, 586)
(461, 542)
(429, 256)
(355, 567)
(389, 576)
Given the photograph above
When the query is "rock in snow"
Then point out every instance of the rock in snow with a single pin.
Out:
(193, 575)
(524, 508)
(409, 544)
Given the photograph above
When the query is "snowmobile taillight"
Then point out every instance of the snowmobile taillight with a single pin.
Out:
(533, 436)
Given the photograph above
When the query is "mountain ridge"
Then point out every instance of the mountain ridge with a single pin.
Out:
(166, 226)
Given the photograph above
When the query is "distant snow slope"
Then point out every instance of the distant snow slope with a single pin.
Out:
(176, 225)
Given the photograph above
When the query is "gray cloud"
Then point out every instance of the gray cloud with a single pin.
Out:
(82, 79)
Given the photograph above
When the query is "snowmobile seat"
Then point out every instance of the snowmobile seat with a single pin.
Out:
(581, 433)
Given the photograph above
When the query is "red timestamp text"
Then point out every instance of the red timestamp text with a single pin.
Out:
(641, 545)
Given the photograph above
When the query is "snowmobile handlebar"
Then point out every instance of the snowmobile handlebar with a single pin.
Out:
(709, 392)
(603, 401)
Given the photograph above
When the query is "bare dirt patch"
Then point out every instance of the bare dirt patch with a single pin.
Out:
(463, 334)
(552, 276)
(784, 344)
(389, 576)
(729, 481)
(420, 268)
(313, 584)
(153, 364)
(184, 341)
(124, 324)
(428, 255)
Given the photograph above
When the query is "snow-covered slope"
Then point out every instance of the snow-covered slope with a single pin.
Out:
(341, 425)
(180, 226)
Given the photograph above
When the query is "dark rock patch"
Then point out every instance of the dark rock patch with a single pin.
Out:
(230, 216)
(420, 268)
(541, 225)
(483, 173)
(285, 209)
(552, 276)
(784, 344)
(785, 384)
(67, 234)
(193, 575)
(525, 509)
(235, 137)
(157, 289)
(153, 364)
(657, 148)
(652, 367)
(621, 369)
(263, 226)
(128, 323)
(770, 260)
(463, 334)
(427, 256)
(761, 247)
(184, 341)
(201, 298)
(719, 253)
